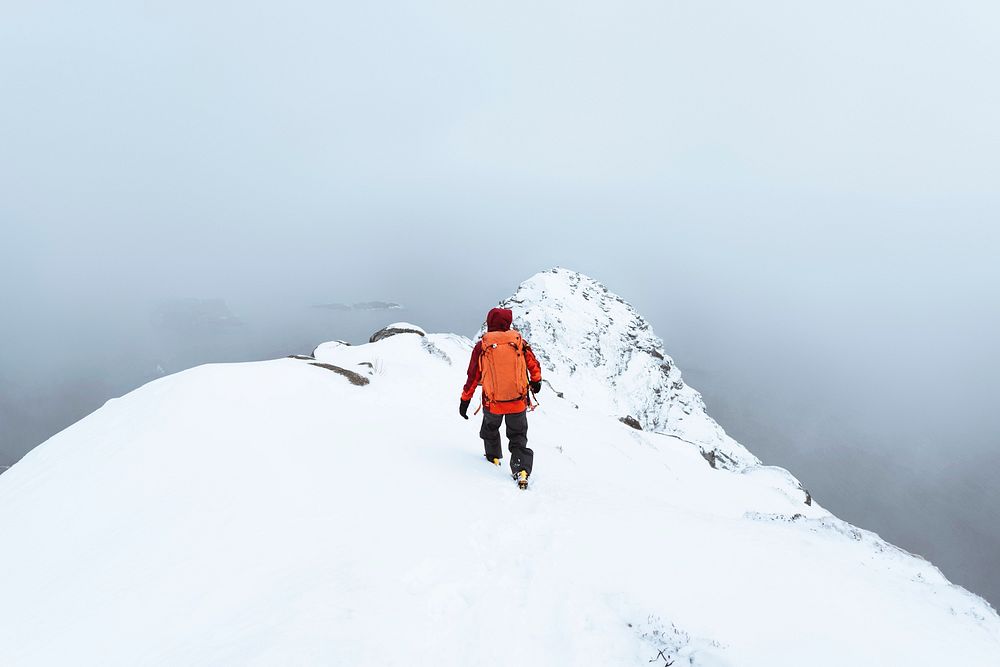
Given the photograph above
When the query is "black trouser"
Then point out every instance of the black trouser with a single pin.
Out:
(517, 434)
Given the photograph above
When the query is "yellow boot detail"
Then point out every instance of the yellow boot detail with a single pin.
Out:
(496, 462)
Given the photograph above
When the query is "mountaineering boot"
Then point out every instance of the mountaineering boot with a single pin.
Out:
(522, 479)
(494, 461)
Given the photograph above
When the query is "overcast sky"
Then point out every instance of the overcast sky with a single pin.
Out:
(801, 197)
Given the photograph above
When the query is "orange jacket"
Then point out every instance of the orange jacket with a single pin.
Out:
(499, 319)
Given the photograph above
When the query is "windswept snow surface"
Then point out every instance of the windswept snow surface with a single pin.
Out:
(274, 513)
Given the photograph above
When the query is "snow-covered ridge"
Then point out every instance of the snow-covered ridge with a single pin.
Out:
(596, 349)
(334, 509)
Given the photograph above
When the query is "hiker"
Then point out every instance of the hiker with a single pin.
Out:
(502, 361)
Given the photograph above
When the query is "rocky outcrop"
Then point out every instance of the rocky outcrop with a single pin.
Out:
(394, 329)
(631, 421)
(352, 377)
(605, 355)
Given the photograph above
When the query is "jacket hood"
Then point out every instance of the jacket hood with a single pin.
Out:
(499, 319)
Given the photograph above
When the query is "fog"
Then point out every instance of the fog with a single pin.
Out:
(802, 200)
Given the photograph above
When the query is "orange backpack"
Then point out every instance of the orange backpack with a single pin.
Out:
(504, 371)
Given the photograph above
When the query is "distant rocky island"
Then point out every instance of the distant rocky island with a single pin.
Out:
(362, 305)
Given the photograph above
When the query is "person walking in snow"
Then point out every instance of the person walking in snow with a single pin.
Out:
(503, 363)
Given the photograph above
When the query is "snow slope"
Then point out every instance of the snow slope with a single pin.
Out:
(338, 511)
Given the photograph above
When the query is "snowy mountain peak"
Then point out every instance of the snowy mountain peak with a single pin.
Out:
(335, 509)
(597, 350)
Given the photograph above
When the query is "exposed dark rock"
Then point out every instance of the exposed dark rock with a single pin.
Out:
(351, 376)
(727, 462)
(629, 420)
(709, 456)
(809, 498)
(382, 334)
(305, 357)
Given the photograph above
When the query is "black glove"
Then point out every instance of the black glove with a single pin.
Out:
(535, 386)
(463, 408)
